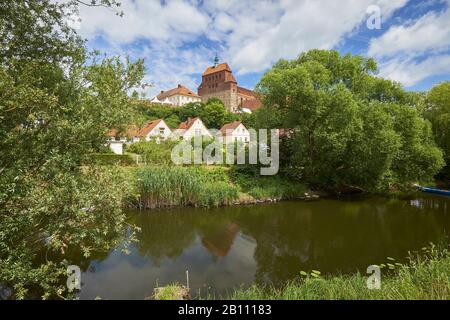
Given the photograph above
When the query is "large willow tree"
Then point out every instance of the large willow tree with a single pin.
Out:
(348, 127)
(54, 111)
(438, 112)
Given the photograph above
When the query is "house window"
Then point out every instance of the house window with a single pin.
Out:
(161, 131)
(198, 132)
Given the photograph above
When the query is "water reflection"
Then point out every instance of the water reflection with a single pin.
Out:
(224, 248)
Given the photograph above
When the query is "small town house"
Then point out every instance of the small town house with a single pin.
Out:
(234, 132)
(191, 128)
(155, 129)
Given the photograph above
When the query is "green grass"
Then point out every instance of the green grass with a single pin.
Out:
(267, 187)
(110, 159)
(158, 186)
(171, 292)
(163, 186)
(425, 277)
(214, 186)
(153, 153)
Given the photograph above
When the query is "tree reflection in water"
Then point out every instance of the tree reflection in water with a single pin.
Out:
(226, 247)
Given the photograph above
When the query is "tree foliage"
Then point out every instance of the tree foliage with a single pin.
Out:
(55, 109)
(349, 127)
(437, 110)
(213, 113)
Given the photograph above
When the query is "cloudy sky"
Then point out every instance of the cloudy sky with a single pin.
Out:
(179, 38)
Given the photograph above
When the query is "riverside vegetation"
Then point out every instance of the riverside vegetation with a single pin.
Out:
(166, 186)
(425, 277)
(346, 127)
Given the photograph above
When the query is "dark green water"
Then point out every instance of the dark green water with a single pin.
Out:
(227, 247)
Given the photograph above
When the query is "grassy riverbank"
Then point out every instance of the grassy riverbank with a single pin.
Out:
(200, 186)
(424, 278)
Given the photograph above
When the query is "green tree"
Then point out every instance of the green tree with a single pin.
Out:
(54, 111)
(191, 110)
(438, 112)
(348, 126)
(214, 114)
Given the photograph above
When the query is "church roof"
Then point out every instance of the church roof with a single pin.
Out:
(218, 68)
(252, 104)
(246, 92)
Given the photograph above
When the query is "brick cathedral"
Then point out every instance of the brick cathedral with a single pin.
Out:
(218, 81)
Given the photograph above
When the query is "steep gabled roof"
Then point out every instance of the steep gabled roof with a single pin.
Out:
(149, 127)
(188, 123)
(230, 126)
(218, 68)
(246, 92)
(130, 132)
(179, 90)
(252, 104)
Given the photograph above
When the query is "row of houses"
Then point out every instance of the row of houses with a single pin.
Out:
(159, 130)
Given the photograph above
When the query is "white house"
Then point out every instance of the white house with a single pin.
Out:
(164, 101)
(234, 132)
(156, 128)
(116, 147)
(178, 96)
(191, 128)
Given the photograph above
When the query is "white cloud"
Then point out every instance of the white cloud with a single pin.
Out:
(168, 65)
(414, 51)
(174, 21)
(409, 72)
(250, 34)
(303, 26)
(430, 32)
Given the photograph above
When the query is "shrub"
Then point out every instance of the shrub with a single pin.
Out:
(153, 152)
(112, 159)
(264, 187)
(424, 278)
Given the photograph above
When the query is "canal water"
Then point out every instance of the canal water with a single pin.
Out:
(225, 248)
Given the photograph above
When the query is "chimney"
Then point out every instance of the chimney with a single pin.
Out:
(162, 91)
(179, 85)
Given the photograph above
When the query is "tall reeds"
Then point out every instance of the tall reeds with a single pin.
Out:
(163, 186)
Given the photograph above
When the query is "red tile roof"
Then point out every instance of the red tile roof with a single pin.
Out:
(230, 126)
(180, 90)
(149, 127)
(246, 92)
(188, 123)
(219, 67)
(252, 104)
(130, 132)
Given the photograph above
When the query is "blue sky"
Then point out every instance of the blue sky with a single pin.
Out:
(179, 38)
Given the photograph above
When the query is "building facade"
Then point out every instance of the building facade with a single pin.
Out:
(178, 96)
(219, 82)
(155, 129)
(193, 127)
(234, 132)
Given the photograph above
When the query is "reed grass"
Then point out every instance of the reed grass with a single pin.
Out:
(163, 186)
(424, 278)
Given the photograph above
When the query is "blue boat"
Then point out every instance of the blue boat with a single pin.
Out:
(435, 191)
